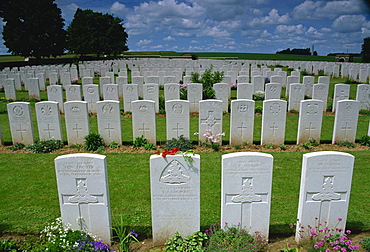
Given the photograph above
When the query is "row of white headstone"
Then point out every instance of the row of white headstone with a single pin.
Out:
(175, 192)
(178, 121)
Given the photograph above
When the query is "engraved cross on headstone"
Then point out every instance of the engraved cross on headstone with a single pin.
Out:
(109, 128)
(48, 130)
(274, 127)
(177, 129)
(242, 129)
(21, 131)
(346, 129)
(210, 121)
(77, 129)
(143, 129)
(310, 129)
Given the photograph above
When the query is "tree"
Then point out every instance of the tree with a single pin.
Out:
(33, 28)
(94, 32)
(365, 50)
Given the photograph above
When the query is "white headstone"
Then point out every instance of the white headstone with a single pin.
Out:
(195, 94)
(55, 93)
(82, 181)
(18, 82)
(77, 121)
(244, 91)
(272, 91)
(139, 80)
(20, 121)
(276, 79)
(34, 89)
(73, 93)
(153, 79)
(310, 120)
(324, 79)
(171, 91)
(169, 79)
(246, 191)
(177, 119)
(91, 96)
(210, 118)
(258, 83)
(87, 80)
(151, 92)
(110, 92)
(53, 78)
(9, 89)
(222, 93)
(363, 96)
(320, 91)
(48, 121)
(175, 196)
(308, 82)
(109, 121)
(290, 80)
(65, 79)
(241, 121)
(121, 80)
(143, 120)
(130, 94)
(273, 121)
(42, 80)
(341, 92)
(296, 95)
(345, 122)
(325, 189)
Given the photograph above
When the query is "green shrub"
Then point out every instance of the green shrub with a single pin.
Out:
(181, 142)
(17, 146)
(45, 146)
(364, 112)
(140, 142)
(270, 146)
(282, 146)
(365, 140)
(258, 109)
(294, 111)
(7, 245)
(347, 144)
(314, 142)
(114, 144)
(149, 146)
(366, 244)
(93, 141)
(207, 79)
(237, 146)
(307, 146)
(187, 244)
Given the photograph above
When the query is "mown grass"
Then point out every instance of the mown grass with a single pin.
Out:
(30, 200)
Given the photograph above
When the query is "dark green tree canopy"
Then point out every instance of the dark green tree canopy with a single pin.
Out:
(96, 33)
(33, 28)
(365, 50)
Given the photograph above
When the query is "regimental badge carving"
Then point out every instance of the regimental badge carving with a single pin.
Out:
(143, 109)
(348, 106)
(275, 108)
(174, 173)
(82, 195)
(91, 90)
(107, 109)
(150, 90)
(18, 110)
(46, 110)
(273, 88)
(243, 108)
(72, 89)
(177, 109)
(327, 192)
(75, 110)
(312, 108)
(129, 88)
(247, 195)
(53, 90)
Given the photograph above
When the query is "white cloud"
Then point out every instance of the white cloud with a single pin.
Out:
(272, 19)
(144, 42)
(118, 8)
(169, 38)
(214, 32)
(349, 23)
(290, 30)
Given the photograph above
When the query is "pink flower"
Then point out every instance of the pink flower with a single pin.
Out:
(339, 219)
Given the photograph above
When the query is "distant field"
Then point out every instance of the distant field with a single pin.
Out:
(220, 55)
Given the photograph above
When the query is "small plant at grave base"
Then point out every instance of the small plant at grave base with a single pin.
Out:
(365, 140)
(75, 146)
(233, 239)
(307, 146)
(259, 95)
(7, 245)
(93, 141)
(365, 243)
(101, 149)
(364, 112)
(322, 238)
(237, 146)
(347, 144)
(314, 142)
(45, 146)
(17, 146)
(282, 146)
(181, 142)
(183, 91)
(140, 142)
(125, 238)
(187, 244)
(127, 113)
(245, 143)
(269, 146)
(294, 111)
(149, 146)
(114, 144)
(287, 248)
(258, 109)
(212, 141)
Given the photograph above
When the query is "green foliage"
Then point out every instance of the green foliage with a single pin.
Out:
(362, 112)
(33, 28)
(101, 149)
(114, 144)
(45, 146)
(294, 111)
(125, 238)
(366, 244)
(270, 146)
(207, 79)
(8, 246)
(307, 146)
(181, 142)
(258, 109)
(350, 80)
(162, 105)
(17, 146)
(314, 142)
(237, 146)
(93, 141)
(140, 142)
(94, 32)
(245, 143)
(282, 146)
(365, 140)
(75, 146)
(149, 146)
(347, 144)
(187, 244)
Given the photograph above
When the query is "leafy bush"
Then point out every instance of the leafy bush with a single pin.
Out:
(140, 142)
(314, 142)
(45, 146)
(187, 244)
(258, 109)
(149, 146)
(113, 144)
(17, 146)
(7, 245)
(365, 140)
(181, 142)
(93, 141)
(207, 79)
(259, 96)
(347, 144)
(366, 244)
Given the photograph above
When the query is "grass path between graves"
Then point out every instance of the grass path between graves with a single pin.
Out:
(29, 198)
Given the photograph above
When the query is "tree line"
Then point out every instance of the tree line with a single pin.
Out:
(36, 29)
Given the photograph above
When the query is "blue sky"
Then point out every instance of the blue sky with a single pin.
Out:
(252, 26)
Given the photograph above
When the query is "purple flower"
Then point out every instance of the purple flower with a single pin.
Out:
(132, 233)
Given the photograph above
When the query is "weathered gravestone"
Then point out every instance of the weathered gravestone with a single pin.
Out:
(310, 120)
(363, 96)
(77, 121)
(143, 120)
(177, 119)
(130, 94)
(320, 91)
(73, 93)
(65, 79)
(242, 121)
(110, 92)
(210, 119)
(175, 196)
(87, 80)
(246, 191)
(195, 94)
(244, 91)
(91, 96)
(345, 122)
(296, 95)
(308, 82)
(341, 92)
(48, 120)
(290, 79)
(9, 89)
(258, 83)
(272, 91)
(139, 80)
(55, 93)
(324, 192)
(222, 93)
(109, 121)
(82, 181)
(151, 92)
(33, 88)
(171, 91)
(273, 121)
(20, 121)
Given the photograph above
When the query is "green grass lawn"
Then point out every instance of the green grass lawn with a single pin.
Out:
(29, 193)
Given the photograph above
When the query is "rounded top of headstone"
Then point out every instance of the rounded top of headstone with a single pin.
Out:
(247, 154)
(325, 153)
(81, 155)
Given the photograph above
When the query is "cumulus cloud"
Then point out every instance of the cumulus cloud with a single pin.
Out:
(144, 42)
(118, 8)
(290, 30)
(272, 19)
(349, 23)
(169, 38)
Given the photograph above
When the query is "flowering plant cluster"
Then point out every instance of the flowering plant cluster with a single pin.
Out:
(173, 151)
(186, 154)
(85, 243)
(259, 95)
(323, 238)
(212, 141)
(183, 91)
(74, 80)
(311, 73)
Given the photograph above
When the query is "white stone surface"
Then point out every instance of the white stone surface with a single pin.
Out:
(325, 190)
(210, 118)
(273, 121)
(345, 122)
(73, 93)
(222, 93)
(77, 121)
(258, 82)
(308, 82)
(151, 92)
(290, 80)
(48, 121)
(195, 94)
(91, 96)
(246, 191)
(9, 89)
(177, 119)
(110, 92)
(296, 95)
(241, 121)
(130, 94)
(363, 96)
(33, 88)
(320, 91)
(244, 91)
(272, 91)
(20, 122)
(82, 181)
(310, 120)
(171, 91)
(175, 196)
(143, 120)
(109, 121)
(55, 93)
(139, 80)
(341, 92)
